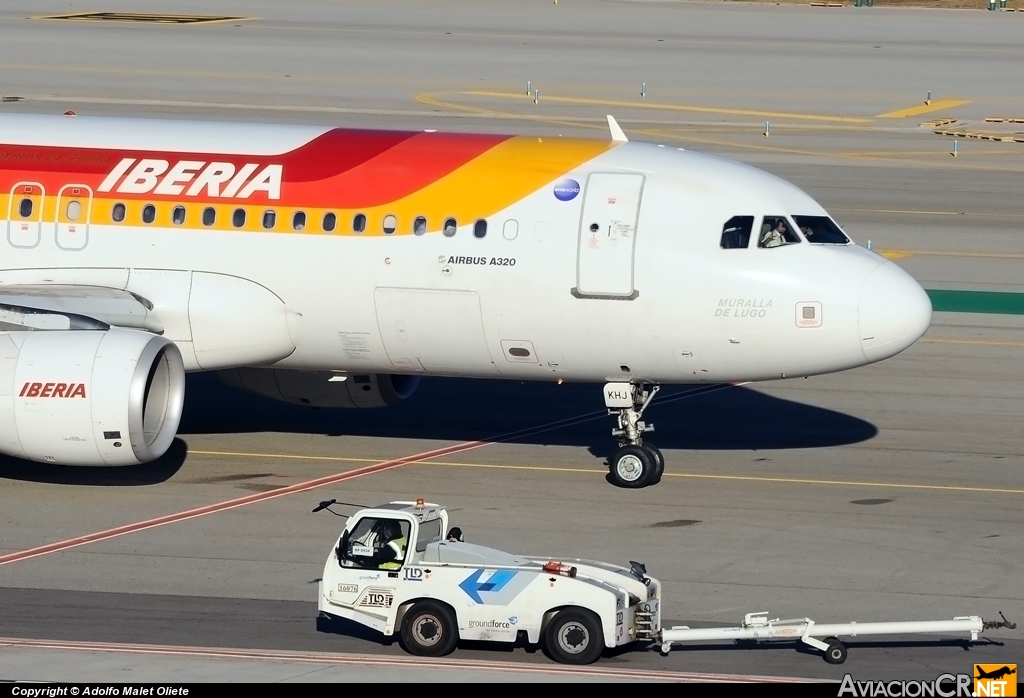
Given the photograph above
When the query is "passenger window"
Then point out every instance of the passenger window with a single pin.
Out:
(178, 215)
(330, 220)
(148, 213)
(390, 223)
(209, 216)
(480, 228)
(821, 230)
(269, 219)
(118, 213)
(419, 226)
(450, 226)
(358, 223)
(299, 220)
(238, 217)
(25, 208)
(74, 210)
(736, 232)
(511, 229)
(775, 232)
(376, 543)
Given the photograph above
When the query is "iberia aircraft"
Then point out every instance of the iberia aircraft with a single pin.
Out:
(334, 268)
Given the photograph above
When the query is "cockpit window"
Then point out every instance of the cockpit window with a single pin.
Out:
(821, 230)
(775, 232)
(736, 232)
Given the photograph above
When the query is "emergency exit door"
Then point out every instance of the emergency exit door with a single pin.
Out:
(74, 207)
(25, 214)
(607, 237)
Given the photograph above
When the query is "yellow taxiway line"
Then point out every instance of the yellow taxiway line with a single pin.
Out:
(924, 108)
(236, 454)
(744, 478)
(591, 471)
(982, 342)
(895, 254)
(973, 214)
(899, 254)
(669, 107)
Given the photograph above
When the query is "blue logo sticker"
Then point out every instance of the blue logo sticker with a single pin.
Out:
(567, 190)
(496, 582)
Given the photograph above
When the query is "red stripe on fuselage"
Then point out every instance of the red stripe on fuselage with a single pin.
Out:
(395, 173)
(340, 168)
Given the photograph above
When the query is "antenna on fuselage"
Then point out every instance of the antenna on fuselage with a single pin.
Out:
(617, 134)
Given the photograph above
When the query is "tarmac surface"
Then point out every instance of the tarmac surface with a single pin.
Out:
(891, 492)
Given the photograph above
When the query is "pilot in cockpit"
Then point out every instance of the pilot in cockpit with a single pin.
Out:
(776, 235)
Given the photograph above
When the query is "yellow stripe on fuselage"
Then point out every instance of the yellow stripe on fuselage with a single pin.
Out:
(491, 182)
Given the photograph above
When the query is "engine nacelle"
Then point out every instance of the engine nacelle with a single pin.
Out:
(322, 388)
(84, 397)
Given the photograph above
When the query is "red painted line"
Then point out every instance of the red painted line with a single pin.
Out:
(381, 660)
(235, 503)
(99, 536)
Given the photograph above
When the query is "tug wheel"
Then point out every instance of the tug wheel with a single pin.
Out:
(574, 636)
(429, 629)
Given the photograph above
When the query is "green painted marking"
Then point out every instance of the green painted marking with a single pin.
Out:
(996, 302)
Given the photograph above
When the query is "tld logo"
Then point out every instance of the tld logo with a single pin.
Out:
(413, 574)
(378, 598)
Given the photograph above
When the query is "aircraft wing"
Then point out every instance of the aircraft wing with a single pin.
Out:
(74, 307)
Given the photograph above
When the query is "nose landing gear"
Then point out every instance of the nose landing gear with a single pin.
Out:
(634, 464)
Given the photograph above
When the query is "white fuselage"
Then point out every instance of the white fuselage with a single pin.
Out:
(534, 299)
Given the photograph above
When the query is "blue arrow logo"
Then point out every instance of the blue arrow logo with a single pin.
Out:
(496, 582)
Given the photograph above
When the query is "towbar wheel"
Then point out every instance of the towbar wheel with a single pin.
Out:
(836, 651)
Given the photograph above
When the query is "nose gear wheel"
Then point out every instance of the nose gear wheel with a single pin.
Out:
(634, 464)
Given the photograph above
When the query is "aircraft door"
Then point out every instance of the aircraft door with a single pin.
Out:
(74, 207)
(607, 236)
(25, 214)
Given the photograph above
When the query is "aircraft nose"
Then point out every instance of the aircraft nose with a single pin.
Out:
(894, 312)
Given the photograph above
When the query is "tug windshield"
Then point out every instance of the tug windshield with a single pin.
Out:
(375, 544)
